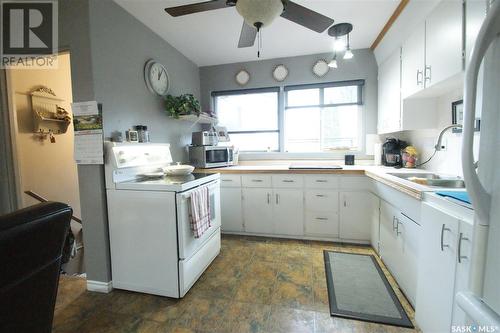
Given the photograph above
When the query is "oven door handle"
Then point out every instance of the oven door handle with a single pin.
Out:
(186, 195)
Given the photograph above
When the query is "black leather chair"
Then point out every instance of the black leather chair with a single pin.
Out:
(31, 242)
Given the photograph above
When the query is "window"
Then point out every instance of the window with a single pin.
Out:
(315, 118)
(323, 118)
(251, 118)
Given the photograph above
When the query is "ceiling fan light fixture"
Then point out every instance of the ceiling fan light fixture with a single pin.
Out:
(339, 45)
(262, 12)
(333, 63)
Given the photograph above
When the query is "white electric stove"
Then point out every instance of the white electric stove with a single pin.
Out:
(153, 248)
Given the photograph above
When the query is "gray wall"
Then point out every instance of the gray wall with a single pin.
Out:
(108, 50)
(362, 66)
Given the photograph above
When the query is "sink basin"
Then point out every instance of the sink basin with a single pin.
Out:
(431, 179)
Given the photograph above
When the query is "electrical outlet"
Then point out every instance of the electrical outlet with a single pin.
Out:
(444, 145)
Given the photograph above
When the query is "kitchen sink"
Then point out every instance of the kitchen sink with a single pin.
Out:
(431, 179)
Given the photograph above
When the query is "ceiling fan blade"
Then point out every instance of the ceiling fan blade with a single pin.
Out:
(306, 17)
(196, 7)
(247, 36)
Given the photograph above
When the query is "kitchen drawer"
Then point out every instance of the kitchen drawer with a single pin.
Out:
(322, 224)
(256, 180)
(230, 180)
(287, 181)
(322, 201)
(354, 183)
(322, 181)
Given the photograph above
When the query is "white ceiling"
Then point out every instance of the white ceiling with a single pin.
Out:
(211, 38)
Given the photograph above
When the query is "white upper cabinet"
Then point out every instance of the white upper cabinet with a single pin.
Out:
(475, 12)
(389, 94)
(444, 42)
(413, 62)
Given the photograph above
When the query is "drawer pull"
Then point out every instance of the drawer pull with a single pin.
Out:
(288, 181)
(321, 195)
(443, 229)
(322, 218)
(257, 180)
(460, 256)
(321, 181)
(227, 180)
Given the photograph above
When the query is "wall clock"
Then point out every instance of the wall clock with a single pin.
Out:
(320, 68)
(280, 73)
(156, 77)
(242, 77)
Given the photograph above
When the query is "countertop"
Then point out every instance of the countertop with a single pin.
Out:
(378, 173)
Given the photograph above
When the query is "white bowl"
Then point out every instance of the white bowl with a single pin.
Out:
(178, 170)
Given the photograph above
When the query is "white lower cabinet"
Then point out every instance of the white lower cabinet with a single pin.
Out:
(258, 210)
(399, 247)
(231, 213)
(441, 272)
(322, 218)
(355, 215)
(288, 212)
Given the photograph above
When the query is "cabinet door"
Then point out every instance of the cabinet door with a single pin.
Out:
(389, 94)
(463, 268)
(355, 215)
(443, 44)
(408, 232)
(258, 210)
(231, 212)
(388, 240)
(375, 226)
(437, 263)
(288, 212)
(413, 62)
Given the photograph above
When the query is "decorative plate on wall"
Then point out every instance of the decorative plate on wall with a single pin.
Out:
(242, 77)
(280, 73)
(320, 68)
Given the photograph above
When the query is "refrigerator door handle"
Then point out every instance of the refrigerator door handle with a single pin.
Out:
(480, 198)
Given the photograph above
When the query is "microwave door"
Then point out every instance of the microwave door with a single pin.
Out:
(216, 156)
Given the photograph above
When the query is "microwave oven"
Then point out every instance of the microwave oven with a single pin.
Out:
(211, 156)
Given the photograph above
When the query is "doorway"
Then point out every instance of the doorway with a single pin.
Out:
(42, 142)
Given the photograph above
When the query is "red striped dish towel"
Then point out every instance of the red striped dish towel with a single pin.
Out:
(200, 211)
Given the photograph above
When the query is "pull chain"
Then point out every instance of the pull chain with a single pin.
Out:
(258, 25)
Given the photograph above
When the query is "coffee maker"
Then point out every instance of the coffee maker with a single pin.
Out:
(391, 152)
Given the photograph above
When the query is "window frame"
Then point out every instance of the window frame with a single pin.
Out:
(276, 90)
(282, 106)
(322, 86)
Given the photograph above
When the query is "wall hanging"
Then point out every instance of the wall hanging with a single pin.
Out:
(280, 73)
(320, 68)
(242, 77)
(156, 78)
(49, 117)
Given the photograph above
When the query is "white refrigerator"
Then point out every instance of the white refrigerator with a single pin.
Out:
(482, 301)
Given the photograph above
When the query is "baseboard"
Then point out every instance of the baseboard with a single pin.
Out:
(99, 287)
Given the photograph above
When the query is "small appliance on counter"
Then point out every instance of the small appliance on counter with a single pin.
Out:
(391, 152)
(204, 138)
(211, 156)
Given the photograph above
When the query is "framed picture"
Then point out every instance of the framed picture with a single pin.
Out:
(457, 117)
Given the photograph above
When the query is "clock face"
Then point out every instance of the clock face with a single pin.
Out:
(156, 77)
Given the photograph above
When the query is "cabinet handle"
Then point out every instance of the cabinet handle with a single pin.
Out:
(345, 202)
(227, 180)
(393, 225)
(288, 181)
(420, 74)
(322, 218)
(257, 180)
(277, 199)
(398, 222)
(443, 228)
(428, 77)
(459, 255)
(268, 198)
(320, 195)
(321, 181)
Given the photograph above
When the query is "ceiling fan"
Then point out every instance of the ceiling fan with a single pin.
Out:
(258, 14)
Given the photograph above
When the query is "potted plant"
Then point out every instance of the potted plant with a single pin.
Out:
(186, 104)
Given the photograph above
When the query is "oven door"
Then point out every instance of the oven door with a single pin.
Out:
(188, 245)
